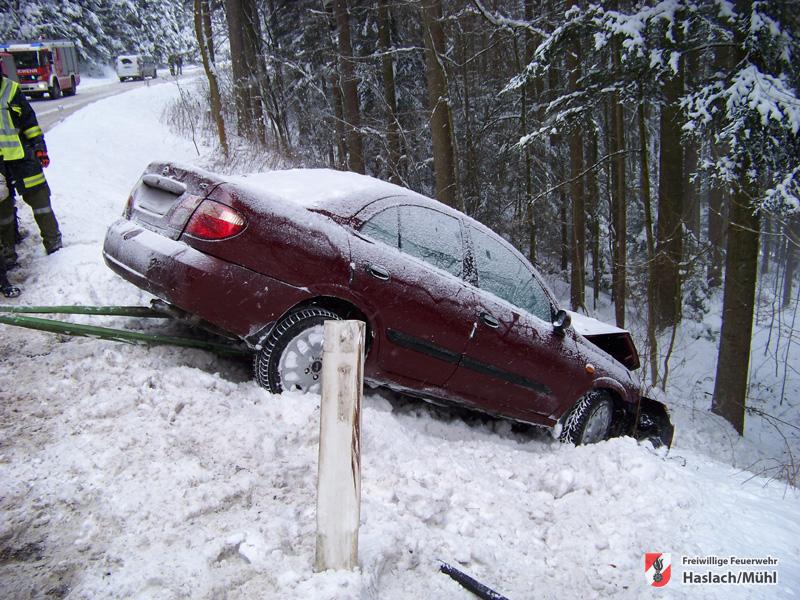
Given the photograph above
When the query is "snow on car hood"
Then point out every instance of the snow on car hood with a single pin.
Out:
(613, 340)
(589, 326)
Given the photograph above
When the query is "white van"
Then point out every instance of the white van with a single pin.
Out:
(135, 66)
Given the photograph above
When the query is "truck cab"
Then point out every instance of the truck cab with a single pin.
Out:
(45, 67)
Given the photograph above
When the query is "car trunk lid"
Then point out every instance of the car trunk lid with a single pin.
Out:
(166, 196)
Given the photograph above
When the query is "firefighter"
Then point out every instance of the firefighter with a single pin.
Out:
(8, 290)
(23, 149)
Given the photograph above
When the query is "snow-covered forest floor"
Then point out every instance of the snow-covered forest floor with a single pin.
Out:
(128, 472)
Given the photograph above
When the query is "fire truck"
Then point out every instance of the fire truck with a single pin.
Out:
(45, 66)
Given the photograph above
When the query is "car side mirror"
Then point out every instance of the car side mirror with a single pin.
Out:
(561, 321)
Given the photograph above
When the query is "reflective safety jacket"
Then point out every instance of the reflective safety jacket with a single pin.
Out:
(18, 124)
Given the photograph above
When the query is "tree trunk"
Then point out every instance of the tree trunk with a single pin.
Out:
(717, 195)
(578, 254)
(644, 157)
(741, 268)
(258, 81)
(691, 189)
(669, 231)
(619, 215)
(234, 17)
(767, 243)
(389, 91)
(716, 229)
(530, 214)
(792, 242)
(563, 217)
(208, 32)
(444, 162)
(349, 87)
(593, 204)
(200, 8)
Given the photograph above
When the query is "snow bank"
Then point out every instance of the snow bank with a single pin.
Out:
(128, 472)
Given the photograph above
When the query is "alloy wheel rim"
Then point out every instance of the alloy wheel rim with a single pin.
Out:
(300, 365)
(598, 423)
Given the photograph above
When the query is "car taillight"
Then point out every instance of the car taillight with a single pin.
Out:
(214, 221)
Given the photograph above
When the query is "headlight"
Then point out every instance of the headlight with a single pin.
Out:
(42, 86)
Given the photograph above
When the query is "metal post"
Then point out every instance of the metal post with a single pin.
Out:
(339, 479)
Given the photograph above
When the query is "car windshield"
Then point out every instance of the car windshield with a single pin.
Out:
(26, 60)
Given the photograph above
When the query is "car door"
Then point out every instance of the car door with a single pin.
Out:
(407, 261)
(515, 363)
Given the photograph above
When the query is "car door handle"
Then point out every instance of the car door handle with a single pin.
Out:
(378, 272)
(490, 320)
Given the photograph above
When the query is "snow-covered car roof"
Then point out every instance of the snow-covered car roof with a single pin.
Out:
(341, 192)
(315, 186)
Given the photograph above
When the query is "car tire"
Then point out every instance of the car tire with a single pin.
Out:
(55, 91)
(291, 355)
(589, 421)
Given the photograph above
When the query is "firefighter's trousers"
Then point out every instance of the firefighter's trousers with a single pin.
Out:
(38, 198)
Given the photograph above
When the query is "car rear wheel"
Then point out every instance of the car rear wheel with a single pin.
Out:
(291, 356)
(589, 421)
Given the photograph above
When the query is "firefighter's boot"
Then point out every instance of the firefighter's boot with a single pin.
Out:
(8, 290)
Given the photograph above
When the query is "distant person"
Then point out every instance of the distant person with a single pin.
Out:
(8, 290)
(24, 153)
(171, 60)
(179, 64)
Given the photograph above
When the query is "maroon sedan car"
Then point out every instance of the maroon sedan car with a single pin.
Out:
(454, 313)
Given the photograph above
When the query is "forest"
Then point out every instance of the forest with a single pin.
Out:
(645, 152)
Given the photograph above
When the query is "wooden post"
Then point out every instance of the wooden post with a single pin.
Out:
(339, 478)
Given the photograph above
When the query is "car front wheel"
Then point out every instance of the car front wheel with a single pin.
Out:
(589, 421)
(291, 355)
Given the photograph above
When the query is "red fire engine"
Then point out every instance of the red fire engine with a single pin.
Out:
(46, 66)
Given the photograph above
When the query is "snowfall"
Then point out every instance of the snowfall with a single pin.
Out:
(154, 472)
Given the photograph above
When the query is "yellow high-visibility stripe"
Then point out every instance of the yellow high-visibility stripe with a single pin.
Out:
(32, 132)
(10, 144)
(33, 180)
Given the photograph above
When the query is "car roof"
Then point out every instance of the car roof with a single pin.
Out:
(342, 193)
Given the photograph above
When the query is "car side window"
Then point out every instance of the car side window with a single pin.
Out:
(506, 276)
(433, 237)
(384, 227)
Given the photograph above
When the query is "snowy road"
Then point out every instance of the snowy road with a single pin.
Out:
(51, 112)
(128, 472)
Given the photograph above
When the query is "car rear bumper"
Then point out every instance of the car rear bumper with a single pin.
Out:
(231, 297)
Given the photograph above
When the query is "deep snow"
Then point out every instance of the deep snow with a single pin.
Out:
(128, 472)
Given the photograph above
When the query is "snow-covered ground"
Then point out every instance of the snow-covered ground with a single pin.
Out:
(109, 76)
(128, 472)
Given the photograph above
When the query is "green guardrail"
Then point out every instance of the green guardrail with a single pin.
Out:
(107, 333)
(109, 311)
